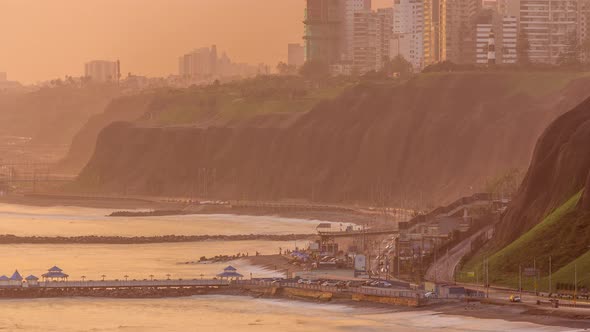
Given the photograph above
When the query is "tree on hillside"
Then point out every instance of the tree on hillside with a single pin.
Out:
(571, 53)
(315, 69)
(397, 65)
(285, 69)
(522, 48)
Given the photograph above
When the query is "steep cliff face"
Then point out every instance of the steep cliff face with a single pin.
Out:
(129, 108)
(560, 168)
(427, 141)
(585, 203)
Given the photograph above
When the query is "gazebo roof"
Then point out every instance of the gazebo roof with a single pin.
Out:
(16, 276)
(54, 275)
(230, 268)
(228, 274)
(4, 278)
(31, 278)
(55, 269)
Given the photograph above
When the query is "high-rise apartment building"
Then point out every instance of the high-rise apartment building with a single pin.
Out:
(384, 31)
(103, 71)
(199, 64)
(509, 8)
(508, 40)
(550, 27)
(432, 31)
(323, 30)
(584, 22)
(408, 30)
(349, 8)
(295, 55)
(484, 39)
(456, 31)
(364, 42)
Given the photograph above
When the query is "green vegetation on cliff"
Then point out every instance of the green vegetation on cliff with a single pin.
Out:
(241, 100)
(562, 235)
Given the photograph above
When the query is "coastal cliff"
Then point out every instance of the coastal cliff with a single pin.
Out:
(429, 140)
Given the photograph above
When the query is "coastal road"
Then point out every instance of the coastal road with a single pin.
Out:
(443, 270)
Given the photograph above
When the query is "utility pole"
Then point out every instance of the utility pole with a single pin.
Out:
(487, 277)
(535, 277)
(520, 280)
(448, 261)
(575, 282)
(434, 263)
(550, 284)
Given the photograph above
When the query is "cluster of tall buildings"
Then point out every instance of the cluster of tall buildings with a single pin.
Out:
(103, 71)
(352, 37)
(204, 64)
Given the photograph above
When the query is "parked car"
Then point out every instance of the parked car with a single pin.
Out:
(430, 295)
(515, 298)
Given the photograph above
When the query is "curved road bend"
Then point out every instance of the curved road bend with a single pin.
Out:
(443, 270)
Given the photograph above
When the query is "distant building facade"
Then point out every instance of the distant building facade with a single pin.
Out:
(485, 39)
(551, 27)
(103, 71)
(350, 7)
(508, 40)
(323, 35)
(408, 24)
(384, 35)
(200, 63)
(295, 55)
(205, 65)
(364, 43)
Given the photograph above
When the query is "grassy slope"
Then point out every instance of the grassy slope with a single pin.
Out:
(566, 273)
(560, 235)
(244, 99)
(280, 95)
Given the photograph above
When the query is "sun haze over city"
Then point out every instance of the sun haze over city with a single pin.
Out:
(295, 165)
(145, 35)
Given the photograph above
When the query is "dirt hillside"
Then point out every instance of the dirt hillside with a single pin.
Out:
(425, 142)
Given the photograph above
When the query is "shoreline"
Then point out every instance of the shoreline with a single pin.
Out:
(91, 239)
(511, 313)
(165, 208)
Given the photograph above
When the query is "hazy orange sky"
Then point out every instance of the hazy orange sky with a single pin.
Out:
(45, 39)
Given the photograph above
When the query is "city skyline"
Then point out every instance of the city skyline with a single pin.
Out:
(146, 42)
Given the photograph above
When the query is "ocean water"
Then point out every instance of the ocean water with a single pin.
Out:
(71, 221)
(200, 313)
(229, 313)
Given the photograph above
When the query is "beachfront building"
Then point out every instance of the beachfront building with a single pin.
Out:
(4, 281)
(32, 281)
(55, 274)
(229, 273)
(15, 280)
